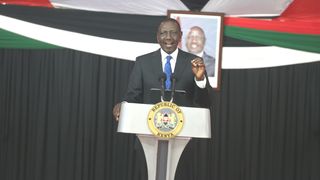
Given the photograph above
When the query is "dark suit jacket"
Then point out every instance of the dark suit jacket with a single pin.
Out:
(209, 61)
(148, 70)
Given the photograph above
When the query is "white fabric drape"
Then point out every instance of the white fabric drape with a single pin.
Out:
(160, 7)
(147, 7)
(247, 7)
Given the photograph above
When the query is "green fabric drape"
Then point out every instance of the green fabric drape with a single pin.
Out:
(12, 40)
(303, 42)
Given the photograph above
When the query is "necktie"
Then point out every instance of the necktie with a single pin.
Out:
(168, 71)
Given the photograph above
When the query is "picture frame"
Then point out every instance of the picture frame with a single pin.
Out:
(202, 35)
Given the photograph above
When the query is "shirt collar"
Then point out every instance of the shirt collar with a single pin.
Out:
(200, 54)
(173, 61)
(174, 54)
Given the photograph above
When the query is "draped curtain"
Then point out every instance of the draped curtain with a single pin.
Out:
(56, 122)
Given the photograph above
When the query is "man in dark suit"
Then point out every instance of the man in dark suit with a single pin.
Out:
(189, 70)
(195, 43)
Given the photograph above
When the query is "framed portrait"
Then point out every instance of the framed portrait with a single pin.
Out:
(202, 34)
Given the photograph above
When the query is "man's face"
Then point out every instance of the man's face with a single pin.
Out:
(195, 41)
(169, 36)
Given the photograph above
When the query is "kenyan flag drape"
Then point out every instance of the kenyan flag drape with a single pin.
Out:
(248, 42)
(296, 35)
(156, 7)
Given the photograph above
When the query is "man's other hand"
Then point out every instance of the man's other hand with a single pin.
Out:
(198, 68)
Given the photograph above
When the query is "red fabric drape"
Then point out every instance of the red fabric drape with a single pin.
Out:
(305, 10)
(44, 3)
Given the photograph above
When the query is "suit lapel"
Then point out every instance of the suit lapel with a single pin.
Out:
(156, 63)
(180, 64)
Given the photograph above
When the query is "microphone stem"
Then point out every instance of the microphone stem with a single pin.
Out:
(162, 89)
(173, 89)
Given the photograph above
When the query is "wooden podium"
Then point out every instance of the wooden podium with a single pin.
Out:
(162, 155)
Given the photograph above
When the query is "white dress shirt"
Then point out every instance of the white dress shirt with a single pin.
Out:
(173, 61)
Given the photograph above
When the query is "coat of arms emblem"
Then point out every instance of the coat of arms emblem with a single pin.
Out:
(165, 119)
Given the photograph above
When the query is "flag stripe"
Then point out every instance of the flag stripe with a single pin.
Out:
(43, 3)
(13, 40)
(109, 25)
(295, 41)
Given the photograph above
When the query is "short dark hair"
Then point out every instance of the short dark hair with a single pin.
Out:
(169, 20)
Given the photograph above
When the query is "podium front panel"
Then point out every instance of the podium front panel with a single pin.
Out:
(133, 119)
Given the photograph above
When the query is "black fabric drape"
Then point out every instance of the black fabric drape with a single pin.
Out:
(128, 27)
(56, 122)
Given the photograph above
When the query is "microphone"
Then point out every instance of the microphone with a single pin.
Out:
(162, 78)
(173, 87)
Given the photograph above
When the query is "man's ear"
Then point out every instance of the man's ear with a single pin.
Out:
(157, 38)
(181, 33)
